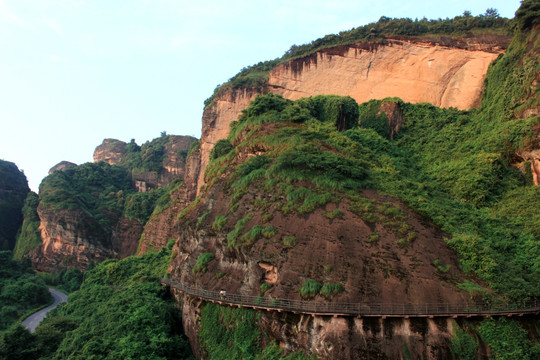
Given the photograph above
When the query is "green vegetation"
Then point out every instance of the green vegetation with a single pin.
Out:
(508, 340)
(373, 238)
(442, 267)
(29, 236)
(231, 333)
(463, 345)
(222, 147)
(334, 214)
(232, 236)
(289, 241)
(120, 312)
(269, 232)
(264, 288)
(527, 15)
(66, 280)
(20, 290)
(385, 27)
(201, 219)
(310, 289)
(195, 145)
(451, 166)
(140, 206)
(97, 192)
(90, 188)
(202, 262)
(13, 191)
(251, 236)
(96, 188)
(185, 211)
(149, 156)
(328, 291)
(219, 221)
(342, 111)
(442, 31)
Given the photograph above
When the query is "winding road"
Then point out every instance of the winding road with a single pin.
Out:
(32, 321)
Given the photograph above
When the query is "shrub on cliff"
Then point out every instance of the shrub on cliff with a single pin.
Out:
(528, 14)
(342, 111)
(29, 236)
(222, 147)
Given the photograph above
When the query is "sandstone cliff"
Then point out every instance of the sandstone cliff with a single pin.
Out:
(62, 165)
(446, 75)
(373, 260)
(110, 151)
(97, 211)
(415, 72)
(154, 164)
(71, 238)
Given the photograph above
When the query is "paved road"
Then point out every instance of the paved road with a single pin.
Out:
(33, 320)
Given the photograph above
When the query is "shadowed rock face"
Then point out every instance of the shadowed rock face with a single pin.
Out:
(13, 191)
(73, 239)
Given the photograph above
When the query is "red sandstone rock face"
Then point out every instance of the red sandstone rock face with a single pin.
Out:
(162, 227)
(110, 151)
(370, 260)
(415, 72)
(73, 239)
(113, 152)
(62, 165)
(216, 121)
(446, 73)
(174, 161)
(328, 251)
(341, 338)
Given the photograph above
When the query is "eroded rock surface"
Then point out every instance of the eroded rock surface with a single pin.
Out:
(443, 72)
(71, 238)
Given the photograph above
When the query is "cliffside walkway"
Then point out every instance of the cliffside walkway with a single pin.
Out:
(358, 309)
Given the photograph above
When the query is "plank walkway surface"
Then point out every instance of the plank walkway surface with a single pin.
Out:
(358, 309)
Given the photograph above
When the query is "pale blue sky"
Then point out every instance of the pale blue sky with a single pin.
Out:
(73, 72)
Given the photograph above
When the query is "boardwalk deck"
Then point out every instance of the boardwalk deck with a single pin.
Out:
(358, 309)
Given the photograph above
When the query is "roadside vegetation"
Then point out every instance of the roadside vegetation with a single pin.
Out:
(21, 291)
(120, 312)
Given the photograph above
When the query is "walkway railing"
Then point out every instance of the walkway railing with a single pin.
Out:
(359, 309)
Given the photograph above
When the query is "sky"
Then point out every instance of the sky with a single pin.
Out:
(74, 72)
